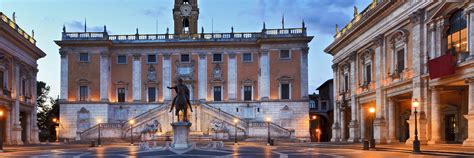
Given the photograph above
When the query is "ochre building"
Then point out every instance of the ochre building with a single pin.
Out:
(113, 79)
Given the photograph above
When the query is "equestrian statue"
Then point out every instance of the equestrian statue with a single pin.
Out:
(182, 100)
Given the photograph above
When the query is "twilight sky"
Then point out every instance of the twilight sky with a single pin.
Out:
(47, 17)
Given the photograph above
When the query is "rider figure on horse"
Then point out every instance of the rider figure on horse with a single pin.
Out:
(181, 100)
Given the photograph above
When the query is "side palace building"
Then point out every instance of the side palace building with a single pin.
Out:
(399, 52)
(112, 79)
(18, 69)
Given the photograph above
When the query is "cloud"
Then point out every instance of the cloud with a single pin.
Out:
(79, 26)
(321, 15)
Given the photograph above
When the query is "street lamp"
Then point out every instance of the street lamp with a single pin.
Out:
(372, 116)
(1, 132)
(235, 129)
(314, 117)
(98, 136)
(131, 132)
(416, 142)
(268, 125)
(56, 121)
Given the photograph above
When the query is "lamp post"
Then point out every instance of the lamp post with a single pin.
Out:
(131, 132)
(372, 115)
(98, 136)
(235, 129)
(56, 128)
(1, 131)
(268, 120)
(416, 142)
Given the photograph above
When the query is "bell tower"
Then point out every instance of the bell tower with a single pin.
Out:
(185, 15)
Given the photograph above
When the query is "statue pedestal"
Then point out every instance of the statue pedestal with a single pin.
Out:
(181, 135)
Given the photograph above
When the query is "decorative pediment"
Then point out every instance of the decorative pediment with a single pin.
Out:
(285, 78)
(121, 83)
(83, 110)
(247, 82)
(82, 80)
(285, 108)
(400, 36)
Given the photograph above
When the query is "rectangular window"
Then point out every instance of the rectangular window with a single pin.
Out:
(121, 59)
(346, 83)
(217, 93)
(400, 60)
(151, 58)
(217, 57)
(185, 58)
(285, 54)
(1, 81)
(247, 57)
(120, 95)
(83, 93)
(368, 73)
(247, 93)
(84, 57)
(23, 87)
(151, 94)
(285, 91)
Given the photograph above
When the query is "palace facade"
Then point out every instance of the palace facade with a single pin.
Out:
(112, 79)
(18, 70)
(396, 53)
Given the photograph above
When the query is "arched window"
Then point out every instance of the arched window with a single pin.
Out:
(457, 33)
(185, 25)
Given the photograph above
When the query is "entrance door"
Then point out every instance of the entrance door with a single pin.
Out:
(450, 126)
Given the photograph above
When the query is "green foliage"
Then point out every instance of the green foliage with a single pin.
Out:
(48, 108)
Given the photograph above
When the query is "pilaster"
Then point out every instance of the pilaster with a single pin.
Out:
(15, 112)
(166, 77)
(64, 75)
(104, 76)
(392, 126)
(436, 117)
(264, 75)
(470, 116)
(304, 72)
(202, 77)
(353, 125)
(335, 126)
(232, 77)
(469, 12)
(380, 128)
(137, 78)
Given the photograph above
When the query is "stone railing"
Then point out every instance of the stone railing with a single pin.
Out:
(229, 118)
(92, 132)
(266, 33)
(283, 132)
(15, 27)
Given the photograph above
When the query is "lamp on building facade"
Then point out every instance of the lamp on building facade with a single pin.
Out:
(98, 136)
(131, 132)
(416, 142)
(318, 134)
(56, 128)
(268, 120)
(235, 129)
(1, 132)
(372, 116)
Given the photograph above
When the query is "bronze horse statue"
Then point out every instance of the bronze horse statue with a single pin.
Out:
(181, 101)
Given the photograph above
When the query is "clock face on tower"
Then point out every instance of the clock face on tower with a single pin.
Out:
(186, 10)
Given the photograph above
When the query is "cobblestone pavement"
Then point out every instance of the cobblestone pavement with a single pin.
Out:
(241, 150)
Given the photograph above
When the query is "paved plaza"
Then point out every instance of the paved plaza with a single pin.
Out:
(245, 149)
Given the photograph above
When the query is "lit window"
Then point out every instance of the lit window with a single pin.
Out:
(457, 33)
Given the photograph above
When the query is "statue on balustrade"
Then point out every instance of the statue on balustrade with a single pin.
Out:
(181, 101)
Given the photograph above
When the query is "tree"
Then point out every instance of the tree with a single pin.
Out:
(46, 111)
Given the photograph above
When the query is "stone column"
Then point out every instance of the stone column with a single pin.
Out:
(232, 77)
(470, 27)
(433, 40)
(354, 124)
(166, 77)
(64, 75)
(343, 125)
(8, 121)
(380, 133)
(16, 128)
(34, 138)
(470, 116)
(202, 77)
(137, 78)
(419, 88)
(436, 118)
(264, 75)
(104, 76)
(363, 124)
(335, 125)
(304, 72)
(439, 36)
(392, 121)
